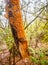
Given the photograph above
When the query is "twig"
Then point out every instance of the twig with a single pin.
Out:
(43, 18)
(38, 10)
(33, 19)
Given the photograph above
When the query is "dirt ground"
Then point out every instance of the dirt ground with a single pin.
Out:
(5, 55)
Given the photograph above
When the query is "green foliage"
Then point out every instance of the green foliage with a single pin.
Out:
(34, 59)
(38, 30)
(44, 62)
(31, 50)
(6, 35)
(39, 57)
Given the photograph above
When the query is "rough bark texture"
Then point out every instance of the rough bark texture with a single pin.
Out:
(15, 19)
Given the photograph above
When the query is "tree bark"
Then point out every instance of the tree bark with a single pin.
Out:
(15, 19)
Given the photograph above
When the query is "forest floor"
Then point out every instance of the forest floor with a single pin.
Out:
(4, 56)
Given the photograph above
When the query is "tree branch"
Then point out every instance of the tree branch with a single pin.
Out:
(43, 18)
(41, 9)
(36, 11)
(33, 19)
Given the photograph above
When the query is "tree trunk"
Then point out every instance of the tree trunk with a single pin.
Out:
(15, 19)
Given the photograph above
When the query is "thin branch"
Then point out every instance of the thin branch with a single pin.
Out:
(37, 15)
(36, 11)
(2, 28)
(45, 24)
(25, 5)
(33, 19)
(42, 8)
(43, 18)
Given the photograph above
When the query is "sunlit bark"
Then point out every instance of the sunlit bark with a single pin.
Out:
(15, 19)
